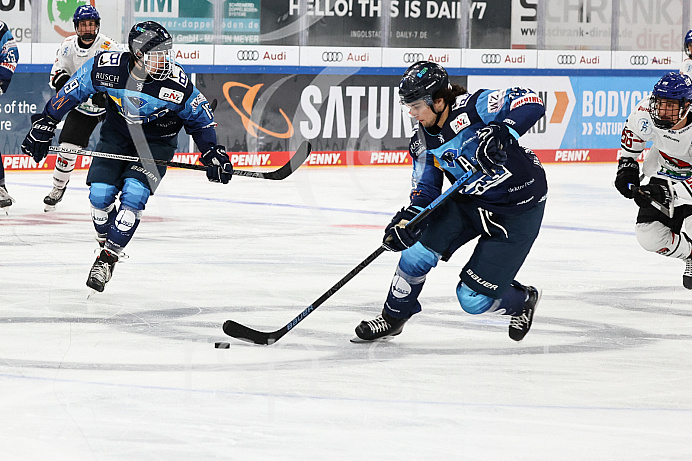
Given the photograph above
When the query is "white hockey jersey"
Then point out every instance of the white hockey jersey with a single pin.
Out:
(669, 158)
(70, 57)
(686, 67)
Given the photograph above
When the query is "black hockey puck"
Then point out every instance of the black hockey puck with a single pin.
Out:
(221, 345)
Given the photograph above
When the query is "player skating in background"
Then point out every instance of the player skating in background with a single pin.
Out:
(149, 100)
(81, 121)
(457, 131)
(686, 66)
(665, 119)
(9, 57)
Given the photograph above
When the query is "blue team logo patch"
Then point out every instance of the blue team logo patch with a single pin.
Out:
(137, 102)
(644, 126)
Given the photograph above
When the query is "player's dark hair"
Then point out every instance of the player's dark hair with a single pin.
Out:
(450, 94)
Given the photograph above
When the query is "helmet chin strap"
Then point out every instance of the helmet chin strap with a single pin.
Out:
(439, 114)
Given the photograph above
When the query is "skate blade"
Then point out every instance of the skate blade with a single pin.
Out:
(357, 340)
(48, 208)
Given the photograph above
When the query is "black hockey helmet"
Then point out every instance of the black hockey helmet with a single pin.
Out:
(150, 43)
(672, 87)
(421, 81)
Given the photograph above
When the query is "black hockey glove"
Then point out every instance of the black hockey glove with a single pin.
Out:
(219, 168)
(38, 139)
(627, 176)
(59, 79)
(657, 192)
(491, 153)
(396, 236)
(99, 99)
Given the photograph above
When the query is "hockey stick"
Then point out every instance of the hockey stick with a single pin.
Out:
(282, 173)
(250, 335)
(666, 210)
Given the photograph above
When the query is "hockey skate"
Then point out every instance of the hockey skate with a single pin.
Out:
(5, 200)
(102, 270)
(383, 327)
(53, 198)
(687, 275)
(520, 325)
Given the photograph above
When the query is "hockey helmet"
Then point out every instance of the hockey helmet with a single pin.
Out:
(83, 13)
(688, 42)
(151, 44)
(670, 100)
(421, 81)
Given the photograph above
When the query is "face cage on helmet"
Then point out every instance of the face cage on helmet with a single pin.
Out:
(88, 36)
(159, 64)
(668, 122)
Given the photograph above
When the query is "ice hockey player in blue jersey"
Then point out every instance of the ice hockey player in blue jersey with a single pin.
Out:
(149, 100)
(9, 57)
(458, 131)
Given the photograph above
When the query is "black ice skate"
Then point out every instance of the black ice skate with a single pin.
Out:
(5, 199)
(687, 275)
(520, 325)
(53, 198)
(382, 327)
(102, 270)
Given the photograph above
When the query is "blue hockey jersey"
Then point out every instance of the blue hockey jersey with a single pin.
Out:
(451, 152)
(9, 56)
(161, 107)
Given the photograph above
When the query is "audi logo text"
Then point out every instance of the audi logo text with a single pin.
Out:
(639, 60)
(410, 58)
(566, 59)
(248, 55)
(332, 56)
(491, 58)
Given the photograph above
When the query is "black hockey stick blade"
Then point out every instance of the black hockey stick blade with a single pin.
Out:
(285, 171)
(250, 335)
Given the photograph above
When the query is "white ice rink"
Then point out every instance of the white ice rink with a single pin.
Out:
(132, 373)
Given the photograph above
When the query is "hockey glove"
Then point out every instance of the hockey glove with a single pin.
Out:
(38, 139)
(491, 153)
(627, 176)
(219, 168)
(396, 236)
(657, 192)
(99, 99)
(59, 79)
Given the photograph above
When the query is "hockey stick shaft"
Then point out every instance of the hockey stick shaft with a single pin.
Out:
(238, 331)
(296, 160)
(665, 210)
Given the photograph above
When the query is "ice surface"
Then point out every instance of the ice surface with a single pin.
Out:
(132, 373)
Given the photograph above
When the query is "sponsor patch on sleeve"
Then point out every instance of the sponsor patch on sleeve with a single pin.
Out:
(496, 100)
(527, 99)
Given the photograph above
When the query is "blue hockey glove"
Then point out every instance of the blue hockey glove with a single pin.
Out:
(491, 153)
(627, 176)
(38, 139)
(219, 168)
(657, 192)
(396, 236)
